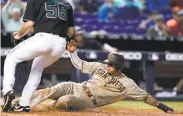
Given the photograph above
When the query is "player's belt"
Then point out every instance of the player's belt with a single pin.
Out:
(90, 95)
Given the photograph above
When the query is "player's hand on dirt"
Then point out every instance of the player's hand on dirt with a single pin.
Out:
(170, 110)
(71, 46)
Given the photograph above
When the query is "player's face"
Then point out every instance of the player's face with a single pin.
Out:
(110, 68)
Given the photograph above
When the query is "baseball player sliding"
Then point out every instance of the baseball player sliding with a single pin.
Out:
(108, 85)
(53, 23)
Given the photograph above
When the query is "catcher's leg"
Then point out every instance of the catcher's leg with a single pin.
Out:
(31, 48)
(22, 52)
(54, 47)
(38, 65)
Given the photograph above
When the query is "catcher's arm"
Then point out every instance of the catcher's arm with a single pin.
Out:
(16, 36)
(26, 27)
(152, 101)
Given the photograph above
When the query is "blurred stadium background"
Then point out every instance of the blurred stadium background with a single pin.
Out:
(149, 33)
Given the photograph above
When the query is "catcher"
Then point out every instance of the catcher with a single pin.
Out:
(108, 85)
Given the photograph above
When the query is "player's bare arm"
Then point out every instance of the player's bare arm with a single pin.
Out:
(152, 101)
(76, 61)
(140, 94)
(84, 66)
(26, 27)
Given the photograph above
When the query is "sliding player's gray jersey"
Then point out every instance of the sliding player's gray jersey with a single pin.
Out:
(108, 89)
(105, 89)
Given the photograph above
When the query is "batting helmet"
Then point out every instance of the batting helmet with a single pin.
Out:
(116, 59)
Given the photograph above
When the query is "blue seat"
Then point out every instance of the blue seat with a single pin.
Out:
(85, 15)
(128, 13)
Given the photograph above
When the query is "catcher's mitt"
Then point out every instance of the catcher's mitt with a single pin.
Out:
(14, 41)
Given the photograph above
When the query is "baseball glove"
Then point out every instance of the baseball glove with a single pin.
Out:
(14, 41)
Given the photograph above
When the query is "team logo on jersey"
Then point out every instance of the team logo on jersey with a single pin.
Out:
(110, 80)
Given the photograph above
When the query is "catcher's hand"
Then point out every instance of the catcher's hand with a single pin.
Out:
(15, 41)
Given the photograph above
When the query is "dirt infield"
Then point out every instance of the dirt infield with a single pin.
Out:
(103, 111)
(122, 108)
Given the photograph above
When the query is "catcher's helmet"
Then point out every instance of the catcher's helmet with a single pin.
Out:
(116, 59)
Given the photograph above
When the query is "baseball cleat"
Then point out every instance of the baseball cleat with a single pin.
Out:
(8, 98)
(19, 108)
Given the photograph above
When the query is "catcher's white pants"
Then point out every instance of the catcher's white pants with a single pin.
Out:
(45, 49)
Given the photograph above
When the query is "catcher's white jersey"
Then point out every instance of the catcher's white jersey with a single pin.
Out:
(109, 89)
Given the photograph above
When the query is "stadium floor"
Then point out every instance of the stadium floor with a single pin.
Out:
(122, 108)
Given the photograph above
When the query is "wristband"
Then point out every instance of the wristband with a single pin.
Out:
(164, 107)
